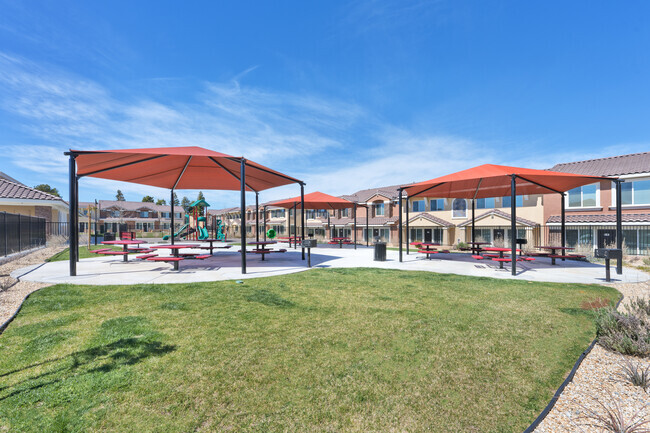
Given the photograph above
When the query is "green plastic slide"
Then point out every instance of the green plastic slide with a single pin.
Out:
(203, 233)
(178, 233)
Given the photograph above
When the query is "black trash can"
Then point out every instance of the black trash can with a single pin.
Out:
(380, 251)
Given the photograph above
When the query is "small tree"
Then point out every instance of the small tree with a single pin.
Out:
(119, 196)
(48, 189)
(161, 201)
(200, 197)
(185, 203)
(176, 201)
(147, 199)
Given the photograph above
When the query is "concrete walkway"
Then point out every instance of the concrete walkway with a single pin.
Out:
(225, 265)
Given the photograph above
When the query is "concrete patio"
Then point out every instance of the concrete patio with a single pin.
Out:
(225, 265)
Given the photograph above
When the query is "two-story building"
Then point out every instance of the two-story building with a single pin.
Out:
(115, 216)
(591, 209)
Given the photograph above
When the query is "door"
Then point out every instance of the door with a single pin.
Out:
(498, 235)
(428, 238)
(607, 238)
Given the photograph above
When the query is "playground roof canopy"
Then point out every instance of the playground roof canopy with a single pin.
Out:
(189, 167)
(315, 200)
(491, 180)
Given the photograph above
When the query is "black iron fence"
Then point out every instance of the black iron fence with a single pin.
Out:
(20, 233)
(584, 238)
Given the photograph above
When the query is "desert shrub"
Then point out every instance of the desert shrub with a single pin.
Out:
(635, 373)
(626, 332)
(611, 418)
(462, 245)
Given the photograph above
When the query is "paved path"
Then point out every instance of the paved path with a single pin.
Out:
(225, 265)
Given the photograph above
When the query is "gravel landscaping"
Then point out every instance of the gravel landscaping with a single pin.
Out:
(597, 381)
(13, 292)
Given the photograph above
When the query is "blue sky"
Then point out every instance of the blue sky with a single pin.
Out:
(344, 95)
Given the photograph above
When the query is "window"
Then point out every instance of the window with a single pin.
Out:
(488, 203)
(379, 209)
(416, 235)
(506, 201)
(636, 192)
(437, 204)
(310, 214)
(584, 196)
(345, 212)
(115, 213)
(483, 235)
(382, 234)
(418, 206)
(459, 208)
(165, 214)
(144, 214)
(177, 215)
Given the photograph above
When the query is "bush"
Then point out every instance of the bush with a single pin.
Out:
(462, 245)
(626, 332)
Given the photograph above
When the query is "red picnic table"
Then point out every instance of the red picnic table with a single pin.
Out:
(500, 259)
(125, 248)
(476, 246)
(261, 247)
(553, 254)
(427, 248)
(175, 258)
(340, 241)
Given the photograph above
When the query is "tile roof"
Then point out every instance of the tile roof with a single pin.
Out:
(610, 166)
(5, 176)
(14, 190)
(134, 206)
(500, 213)
(602, 218)
(433, 219)
(365, 194)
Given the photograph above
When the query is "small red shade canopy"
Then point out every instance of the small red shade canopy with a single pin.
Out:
(315, 200)
(177, 168)
(319, 200)
(491, 180)
(172, 168)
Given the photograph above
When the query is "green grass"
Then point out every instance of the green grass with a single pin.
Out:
(352, 350)
(83, 253)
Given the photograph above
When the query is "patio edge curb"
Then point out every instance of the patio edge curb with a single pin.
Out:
(568, 380)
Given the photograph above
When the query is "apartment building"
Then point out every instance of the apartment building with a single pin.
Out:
(591, 209)
(116, 216)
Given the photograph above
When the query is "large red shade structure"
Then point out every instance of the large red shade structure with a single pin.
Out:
(491, 180)
(318, 200)
(173, 168)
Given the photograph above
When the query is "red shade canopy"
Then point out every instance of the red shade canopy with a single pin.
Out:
(315, 200)
(177, 168)
(495, 181)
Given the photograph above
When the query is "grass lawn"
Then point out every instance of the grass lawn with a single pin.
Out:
(352, 350)
(83, 252)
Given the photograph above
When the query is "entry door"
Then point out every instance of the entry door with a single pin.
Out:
(498, 234)
(427, 236)
(606, 238)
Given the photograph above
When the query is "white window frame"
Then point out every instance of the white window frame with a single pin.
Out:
(424, 205)
(453, 211)
(629, 179)
(566, 198)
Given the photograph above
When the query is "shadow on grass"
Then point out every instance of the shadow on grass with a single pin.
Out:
(120, 353)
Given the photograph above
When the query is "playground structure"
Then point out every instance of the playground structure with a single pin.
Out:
(195, 225)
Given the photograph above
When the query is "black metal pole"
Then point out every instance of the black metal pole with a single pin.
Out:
(257, 217)
(473, 226)
(242, 178)
(302, 216)
(72, 210)
(399, 234)
(619, 226)
(408, 247)
(355, 226)
(563, 227)
(171, 228)
(295, 226)
(513, 223)
(96, 219)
